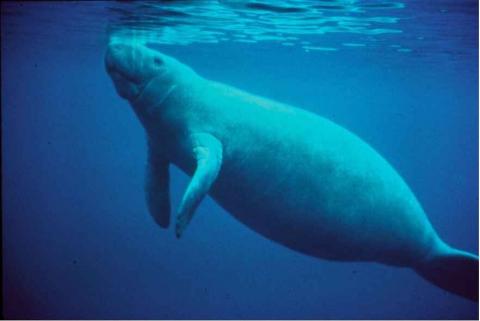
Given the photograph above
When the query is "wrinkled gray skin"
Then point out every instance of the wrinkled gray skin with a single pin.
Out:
(292, 176)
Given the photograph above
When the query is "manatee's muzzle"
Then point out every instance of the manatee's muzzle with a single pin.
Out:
(119, 58)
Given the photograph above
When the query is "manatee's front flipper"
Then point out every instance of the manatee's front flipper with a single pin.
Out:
(157, 188)
(208, 154)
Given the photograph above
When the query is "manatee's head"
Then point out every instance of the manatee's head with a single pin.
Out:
(132, 67)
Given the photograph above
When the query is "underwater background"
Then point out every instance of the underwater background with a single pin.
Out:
(78, 241)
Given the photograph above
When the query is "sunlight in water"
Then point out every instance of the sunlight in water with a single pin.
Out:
(251, 21)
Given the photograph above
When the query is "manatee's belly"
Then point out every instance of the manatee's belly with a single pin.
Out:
(309, 184)
(327, 197)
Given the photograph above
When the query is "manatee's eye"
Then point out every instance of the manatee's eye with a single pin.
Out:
(157, 61)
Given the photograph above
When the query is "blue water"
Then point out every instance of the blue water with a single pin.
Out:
(78, 241)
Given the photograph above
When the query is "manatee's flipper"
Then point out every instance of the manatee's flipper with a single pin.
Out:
(455, 271)
(208, 154)
(157, 188)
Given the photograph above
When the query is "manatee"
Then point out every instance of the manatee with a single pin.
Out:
(292, 176)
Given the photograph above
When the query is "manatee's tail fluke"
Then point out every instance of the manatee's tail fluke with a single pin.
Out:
(452, 270)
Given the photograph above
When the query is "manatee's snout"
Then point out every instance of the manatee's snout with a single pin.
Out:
(132, 66)
(112, 55)
(120, 58)
(129, 67)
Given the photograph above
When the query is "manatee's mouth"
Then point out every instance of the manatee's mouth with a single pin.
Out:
(123, 79)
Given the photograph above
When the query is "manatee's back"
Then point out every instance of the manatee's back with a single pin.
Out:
(282, 162)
